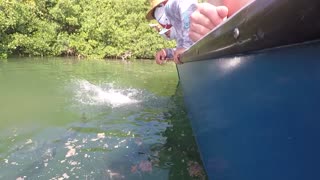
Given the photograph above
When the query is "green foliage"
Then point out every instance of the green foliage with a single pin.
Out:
(83, 28)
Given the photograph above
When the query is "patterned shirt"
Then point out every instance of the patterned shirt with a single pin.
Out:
(169, 52)
(178, 13)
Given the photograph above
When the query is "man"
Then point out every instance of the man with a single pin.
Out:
(208, 16)
(174, 13)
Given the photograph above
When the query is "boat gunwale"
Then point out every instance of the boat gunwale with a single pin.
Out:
(262, 25)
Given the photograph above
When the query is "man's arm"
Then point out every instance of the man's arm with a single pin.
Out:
(164, 55)
(170, 52)
(178, 12)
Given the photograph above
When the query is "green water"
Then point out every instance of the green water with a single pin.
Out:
(93, 119)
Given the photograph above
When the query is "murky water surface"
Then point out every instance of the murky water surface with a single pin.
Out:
(93, 119)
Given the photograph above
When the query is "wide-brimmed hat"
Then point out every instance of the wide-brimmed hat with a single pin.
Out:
(154, 4)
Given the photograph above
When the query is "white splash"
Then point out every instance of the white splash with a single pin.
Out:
(99, 136)
(71, 152)
(90, 94)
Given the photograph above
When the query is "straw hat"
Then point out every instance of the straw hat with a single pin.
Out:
(154, 4)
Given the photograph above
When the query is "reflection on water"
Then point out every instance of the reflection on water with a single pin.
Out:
(92, 127)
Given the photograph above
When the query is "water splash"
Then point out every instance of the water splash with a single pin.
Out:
(105, 94)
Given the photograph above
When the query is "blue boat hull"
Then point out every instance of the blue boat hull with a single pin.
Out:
(256, 116)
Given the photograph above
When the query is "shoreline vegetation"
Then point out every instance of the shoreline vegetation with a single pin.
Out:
(103, 29)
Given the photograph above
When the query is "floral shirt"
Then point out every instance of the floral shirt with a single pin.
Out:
(178, 13)
(170, 52)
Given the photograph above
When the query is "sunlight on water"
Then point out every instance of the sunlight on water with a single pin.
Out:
(104, 94)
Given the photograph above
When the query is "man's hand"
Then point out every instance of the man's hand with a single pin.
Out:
(177, 53)
(205, 18)
(161, 56)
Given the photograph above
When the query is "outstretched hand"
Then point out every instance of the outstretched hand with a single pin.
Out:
(205, 18)
(161, 56)
(177, 53)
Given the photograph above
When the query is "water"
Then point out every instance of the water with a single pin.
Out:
(70, 119)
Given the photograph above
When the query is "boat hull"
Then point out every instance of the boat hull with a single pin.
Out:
(256, 116)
